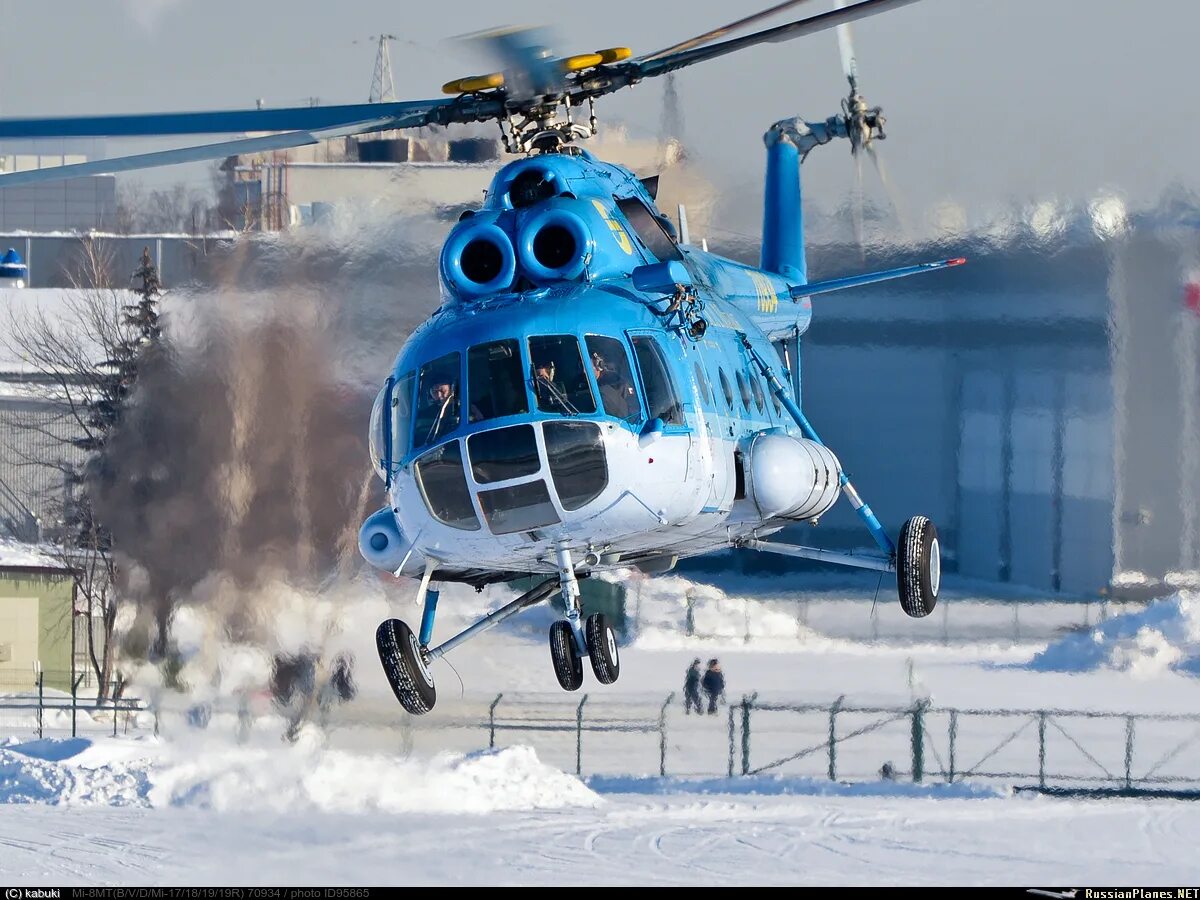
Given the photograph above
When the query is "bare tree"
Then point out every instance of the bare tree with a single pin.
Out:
(180, 208)
(85, 361)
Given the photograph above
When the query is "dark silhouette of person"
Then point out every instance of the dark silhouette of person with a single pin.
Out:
(616, 394)
(691, 688)
(443, 404)
(551, 393)
(713, 683)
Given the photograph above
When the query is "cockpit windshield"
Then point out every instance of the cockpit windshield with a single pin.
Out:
(438, 404)
(494, 382)
(559, 380)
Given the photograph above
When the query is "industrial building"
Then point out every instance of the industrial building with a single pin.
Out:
(75, 204)
(37, 616)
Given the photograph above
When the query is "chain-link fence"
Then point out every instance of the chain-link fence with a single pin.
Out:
(43, 710)
(646, 736)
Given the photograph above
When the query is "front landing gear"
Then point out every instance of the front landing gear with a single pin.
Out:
(571, 640)
(404, 666)
(918, 567)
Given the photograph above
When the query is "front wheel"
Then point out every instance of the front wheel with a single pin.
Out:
(404, 667)
(918, 567)
(602, 648)
(568, 667)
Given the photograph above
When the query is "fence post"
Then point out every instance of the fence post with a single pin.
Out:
(747, 704)
(75, 699)
(953, 739)
(579, 736)
(41, 704)
(731, 740)
(1129, 720)
(1042, 749)
(492, 722)
(114, 704)
(918, 741)
(833, 711)
(662, 735)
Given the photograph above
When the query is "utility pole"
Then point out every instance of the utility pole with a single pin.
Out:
(383, 90)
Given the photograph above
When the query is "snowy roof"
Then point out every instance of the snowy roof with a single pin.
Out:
(17, 556)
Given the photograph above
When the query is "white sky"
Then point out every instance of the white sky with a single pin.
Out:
(986, 99)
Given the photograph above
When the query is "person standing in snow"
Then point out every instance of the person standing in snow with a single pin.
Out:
(714, 685)
(691, 688)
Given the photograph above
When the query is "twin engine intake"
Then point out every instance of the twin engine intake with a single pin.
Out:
(495, 251)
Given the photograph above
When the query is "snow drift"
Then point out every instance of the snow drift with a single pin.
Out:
(305, 777)
(1165, 636)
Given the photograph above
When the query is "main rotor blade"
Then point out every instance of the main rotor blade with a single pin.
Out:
(846, 51)
(721, 32)
(298, 118)
(781, 33)
(190, 154)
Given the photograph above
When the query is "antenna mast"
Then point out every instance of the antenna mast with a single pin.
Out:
(383, 90)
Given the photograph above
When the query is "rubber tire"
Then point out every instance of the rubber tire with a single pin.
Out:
(568, 667)
(405, 670)
(602, 648)
(918, 567)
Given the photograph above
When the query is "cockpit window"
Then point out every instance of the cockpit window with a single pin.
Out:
(558, 378)
(444, 486)
(401, 415)
(610, 366)
(379, 437)
(494, 382)
(437, 399)
(649, 228)
(660, 394)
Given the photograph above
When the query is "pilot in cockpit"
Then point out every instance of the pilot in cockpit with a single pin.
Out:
(616, 394)
(443, 404)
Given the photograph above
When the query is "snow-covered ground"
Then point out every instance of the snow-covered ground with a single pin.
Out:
(380, 798)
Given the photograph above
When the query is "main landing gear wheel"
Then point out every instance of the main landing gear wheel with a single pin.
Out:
(602, 648)
(568, 667)
(918, 567)
(405, 669)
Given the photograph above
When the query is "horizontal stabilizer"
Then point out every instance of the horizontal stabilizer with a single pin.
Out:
(838, 284)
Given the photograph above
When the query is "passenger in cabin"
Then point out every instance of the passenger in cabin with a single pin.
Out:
(551, 393)
(616, 394)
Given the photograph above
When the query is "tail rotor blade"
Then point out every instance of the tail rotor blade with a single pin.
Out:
(889, 189)
(857, 202)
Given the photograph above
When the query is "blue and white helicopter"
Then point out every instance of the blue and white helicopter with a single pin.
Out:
(594, 391)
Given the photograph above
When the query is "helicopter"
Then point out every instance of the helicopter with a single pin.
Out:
(594, 391)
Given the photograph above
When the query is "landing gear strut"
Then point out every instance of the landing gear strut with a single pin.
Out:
(406, 657)
(570, 641)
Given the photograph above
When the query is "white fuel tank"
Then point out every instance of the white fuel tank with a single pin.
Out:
(791, 476)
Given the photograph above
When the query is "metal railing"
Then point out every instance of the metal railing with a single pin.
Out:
(42, 710)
